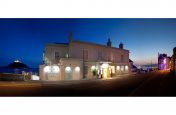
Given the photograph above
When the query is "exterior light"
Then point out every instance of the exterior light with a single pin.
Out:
(67, 69)
(93, 68)
(118, 68)
(17, 61)
(105, 65)
(55, 69)
(126, 68)
(47, 69)
(77, 69)
(51, 69)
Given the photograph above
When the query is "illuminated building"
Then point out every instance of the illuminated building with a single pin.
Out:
(173, 61)
(83, 60)
(164, 62)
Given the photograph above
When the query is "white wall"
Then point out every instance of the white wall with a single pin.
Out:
(114, 54)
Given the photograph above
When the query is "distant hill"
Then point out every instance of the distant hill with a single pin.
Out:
(17, 65)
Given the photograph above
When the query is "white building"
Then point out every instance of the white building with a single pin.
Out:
(82, 60)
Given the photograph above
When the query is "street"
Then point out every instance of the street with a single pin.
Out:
(138, 85)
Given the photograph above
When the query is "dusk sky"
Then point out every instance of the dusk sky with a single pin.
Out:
(24, 39)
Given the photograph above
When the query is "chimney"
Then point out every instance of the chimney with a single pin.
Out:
(121, 45)
(70, 37)
(109, 43)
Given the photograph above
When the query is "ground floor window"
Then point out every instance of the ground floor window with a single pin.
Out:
(68, 73)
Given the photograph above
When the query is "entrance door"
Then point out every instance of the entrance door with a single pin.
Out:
(105, 73)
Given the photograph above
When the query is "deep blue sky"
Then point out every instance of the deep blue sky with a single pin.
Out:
(24, 39)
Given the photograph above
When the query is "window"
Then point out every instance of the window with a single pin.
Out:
(122, 58)
(85, 54)
(57, 57)
(109, 58)
(99, 55)
(66, 55)
(112, 57)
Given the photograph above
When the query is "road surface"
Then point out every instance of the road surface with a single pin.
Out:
(150, 84)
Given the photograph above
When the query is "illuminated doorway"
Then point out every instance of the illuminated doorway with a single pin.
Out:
(105, 71)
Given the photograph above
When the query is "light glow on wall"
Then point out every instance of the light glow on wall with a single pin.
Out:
(47, 69)
(77, 69)
(68, 69)
(51, 69)
(105, 65)
(126, 68)
(93, 68)
(118, 68)
(55, 69)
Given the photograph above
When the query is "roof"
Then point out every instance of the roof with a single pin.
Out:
(62, 43)
(130, 60)
(56, 44)
(90, 43)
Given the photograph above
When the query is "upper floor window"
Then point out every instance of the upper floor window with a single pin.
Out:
(99, 55)
(57, 56)
(122, 58)
(67, 55)
(85, 54)
(112, 57)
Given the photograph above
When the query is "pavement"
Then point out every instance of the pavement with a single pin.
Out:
(136, 85)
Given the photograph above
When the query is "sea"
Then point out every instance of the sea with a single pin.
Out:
(35, 71)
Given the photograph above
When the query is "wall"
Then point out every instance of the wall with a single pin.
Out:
(50, 50)
(108, 53)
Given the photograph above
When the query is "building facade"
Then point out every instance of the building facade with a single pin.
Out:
(164, 62)
(173, 61)
(82, 60)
